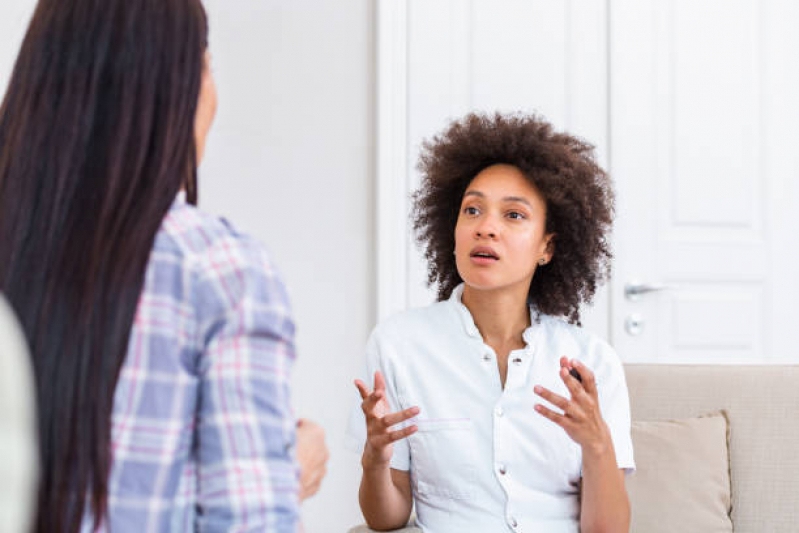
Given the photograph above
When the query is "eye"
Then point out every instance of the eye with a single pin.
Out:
(516, 215)
(470, 210)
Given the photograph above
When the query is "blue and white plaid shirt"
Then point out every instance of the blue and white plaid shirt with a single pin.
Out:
(202, 429)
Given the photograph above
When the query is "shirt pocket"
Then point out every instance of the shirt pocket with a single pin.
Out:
(562, 457)
(443, 452)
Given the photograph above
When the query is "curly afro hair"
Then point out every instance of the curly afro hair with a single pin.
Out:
(578, 194)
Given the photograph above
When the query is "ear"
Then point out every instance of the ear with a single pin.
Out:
(549, 249)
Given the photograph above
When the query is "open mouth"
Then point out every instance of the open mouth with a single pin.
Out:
(484, 255)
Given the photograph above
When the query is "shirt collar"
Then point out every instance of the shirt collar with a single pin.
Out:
(456, 300)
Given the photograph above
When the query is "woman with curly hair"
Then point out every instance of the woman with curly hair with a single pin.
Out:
(492, 410)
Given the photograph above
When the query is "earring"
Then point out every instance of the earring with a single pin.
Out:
(542, 261)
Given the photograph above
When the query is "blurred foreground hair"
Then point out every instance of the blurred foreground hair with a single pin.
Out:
(96, 140)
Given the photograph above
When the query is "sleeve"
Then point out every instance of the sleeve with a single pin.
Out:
(377, 350)
(614, 404)
(248, 476)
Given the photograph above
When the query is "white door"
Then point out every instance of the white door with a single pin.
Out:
(704, 144)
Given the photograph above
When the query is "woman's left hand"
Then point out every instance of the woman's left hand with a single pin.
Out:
(312, 456)
(581, 418)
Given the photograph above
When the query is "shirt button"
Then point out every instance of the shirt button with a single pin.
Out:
(486, 357)
(517, 360)
(501, 468)
(499, 412)
(513, 523)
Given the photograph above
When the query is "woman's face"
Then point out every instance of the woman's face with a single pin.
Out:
(206, 107)
(499, 236)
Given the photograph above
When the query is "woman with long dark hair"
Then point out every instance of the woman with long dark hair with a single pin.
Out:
(161, 338)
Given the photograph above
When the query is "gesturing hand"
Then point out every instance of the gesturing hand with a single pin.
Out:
(581, 418)
(379, 437)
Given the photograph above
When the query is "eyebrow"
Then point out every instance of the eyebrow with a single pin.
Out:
(505, 199)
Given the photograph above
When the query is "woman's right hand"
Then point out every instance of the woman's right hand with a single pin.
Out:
(379, 437)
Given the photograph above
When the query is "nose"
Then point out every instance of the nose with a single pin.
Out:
(486, 229)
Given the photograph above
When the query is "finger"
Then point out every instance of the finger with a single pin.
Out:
(375, 396)
(559, 419)
(551, 397)
(319, 461)
(317, 484)
(564, 362)
(316, 478)
(380, 382)
(589, 379)
(401, 416)
(311, 489)
(369, 404)
(575, 387)
(362, 388)
(394, 436)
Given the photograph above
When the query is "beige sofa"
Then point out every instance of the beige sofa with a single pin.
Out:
(762, 403)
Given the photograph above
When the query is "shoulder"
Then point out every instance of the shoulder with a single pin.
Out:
(410, 342)
(415, 333)
(225, 266)
(593, 350)
(202, 237)
(416, 323)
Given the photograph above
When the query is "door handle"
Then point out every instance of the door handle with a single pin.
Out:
(634, 290)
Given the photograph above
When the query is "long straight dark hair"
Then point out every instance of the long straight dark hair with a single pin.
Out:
(96, 140)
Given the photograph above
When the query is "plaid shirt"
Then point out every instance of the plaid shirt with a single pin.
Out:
(202, 430)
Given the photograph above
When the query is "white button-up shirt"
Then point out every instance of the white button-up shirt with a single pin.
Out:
(483, 459)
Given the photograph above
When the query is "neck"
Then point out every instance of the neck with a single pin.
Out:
(501, 315)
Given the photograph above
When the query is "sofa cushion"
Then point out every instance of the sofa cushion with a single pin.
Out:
(760, 401)
(682, 479)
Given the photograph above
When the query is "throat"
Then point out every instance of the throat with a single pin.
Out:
(501, 316)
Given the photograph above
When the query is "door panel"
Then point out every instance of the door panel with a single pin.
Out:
(690, 124)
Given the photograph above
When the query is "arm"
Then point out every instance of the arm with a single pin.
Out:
(604, 503)
(605, 507)
(385, 493)
(247, 474)
(385, 498)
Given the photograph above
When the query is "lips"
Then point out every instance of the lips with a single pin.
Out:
(484, 253)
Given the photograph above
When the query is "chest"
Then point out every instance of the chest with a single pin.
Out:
(474, 433)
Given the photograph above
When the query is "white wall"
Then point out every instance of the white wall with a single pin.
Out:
(14, 18)
(290, 160)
